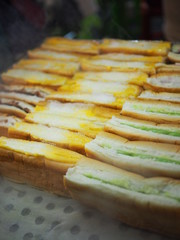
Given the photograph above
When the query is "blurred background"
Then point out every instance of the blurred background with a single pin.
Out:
(25, 23)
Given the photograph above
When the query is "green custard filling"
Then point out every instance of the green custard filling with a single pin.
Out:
(154, 130)
(142, 154)
(166, 111)
(126, 184)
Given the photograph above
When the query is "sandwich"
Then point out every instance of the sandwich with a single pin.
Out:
(164, 82)
(89, 112)
(137, 78)
(102, 99)
(148, 203)
(88, 128)
(174, 54)
(174, 57)
(136, 129)
(15, 107)
(106, 65)
(28, 77)
(68, 45)
(39, 164)
(89, 86)
(30, 90)
(150, 48)
(167, 68)
(55, 136)
(150, 159)
(122, 57)
(49, 66)
(162, 96)
(51, 55)
(153, 110)
(7, 121)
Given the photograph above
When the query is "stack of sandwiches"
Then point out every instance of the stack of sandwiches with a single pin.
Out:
(98, 121)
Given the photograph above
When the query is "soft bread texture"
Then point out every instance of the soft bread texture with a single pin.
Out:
(106, 65)
(55, 136)
(135, 129)
(89, 112)
(151, 48)
(137, 78)
(174, 57)
(145, 158)
(167, 68)
(52, 55)
(21, 96)
(128, 197)
(164, 82)
(102, 99)
(130, 57)
(39, 164)
(153, 110)
(15, 107)
(163, 96)
(49, 66)
(23, 76)
(7, 121)
(30, 90)
(67, 45)
(89, 86)
(88, 128)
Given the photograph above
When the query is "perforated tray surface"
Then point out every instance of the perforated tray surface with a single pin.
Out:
(27, 213)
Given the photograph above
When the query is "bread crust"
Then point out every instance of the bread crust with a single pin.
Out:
(129, 207)
(136, 165)
(136, 134)
(150, 116)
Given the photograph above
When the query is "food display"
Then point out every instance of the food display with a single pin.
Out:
(98, 121)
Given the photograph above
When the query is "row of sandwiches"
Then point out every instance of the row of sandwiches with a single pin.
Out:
(106, 136)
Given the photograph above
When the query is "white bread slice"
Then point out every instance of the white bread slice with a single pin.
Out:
(89, 86)
(102, 99)
(52, 55)
(137, 78)
(39, 164)
(69, 45)
(88, 128)
(157, 111)
(134, 200)
(89, 112)
(48, 66)
(150, 48)
(174, 57)
(7, 121)
(106, 65)
(15, 107)
(22, 97)
(163, 96)
(22, 76)
(145, 158)
(55, 136)
(167, 68)
(164, 82)
(135, 129)
(30, 90)
(122, 57)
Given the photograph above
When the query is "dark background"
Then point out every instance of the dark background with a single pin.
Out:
(25, 23)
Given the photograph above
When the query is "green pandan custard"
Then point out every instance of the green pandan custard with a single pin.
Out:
(156, 109)
(127, 184)
(175, 133)
(142, 154)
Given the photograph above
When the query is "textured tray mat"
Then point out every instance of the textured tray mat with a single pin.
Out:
(27, 213)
